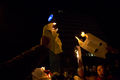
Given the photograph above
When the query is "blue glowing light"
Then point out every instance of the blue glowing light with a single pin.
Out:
(50, 17)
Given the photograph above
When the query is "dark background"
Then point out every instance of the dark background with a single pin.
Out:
(21, 22)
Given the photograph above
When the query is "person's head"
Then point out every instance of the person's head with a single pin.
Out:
(100, 70)
(80, 72)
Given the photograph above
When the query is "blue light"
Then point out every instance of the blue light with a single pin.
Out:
(50, 17)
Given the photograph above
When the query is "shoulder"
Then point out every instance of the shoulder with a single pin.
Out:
(77, 78)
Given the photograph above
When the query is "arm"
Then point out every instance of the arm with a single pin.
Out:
(80, 64)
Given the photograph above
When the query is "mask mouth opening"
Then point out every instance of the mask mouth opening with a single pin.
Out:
(82, 38)
(54, 26)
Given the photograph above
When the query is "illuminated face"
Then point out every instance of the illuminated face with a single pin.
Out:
(100, 70)
(80, 72)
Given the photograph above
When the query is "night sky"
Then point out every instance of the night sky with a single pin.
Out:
(21, 22)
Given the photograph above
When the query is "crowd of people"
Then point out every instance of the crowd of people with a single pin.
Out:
(50, 39)
(99, 75)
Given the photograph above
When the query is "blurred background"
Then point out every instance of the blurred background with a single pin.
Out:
(21, 24)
